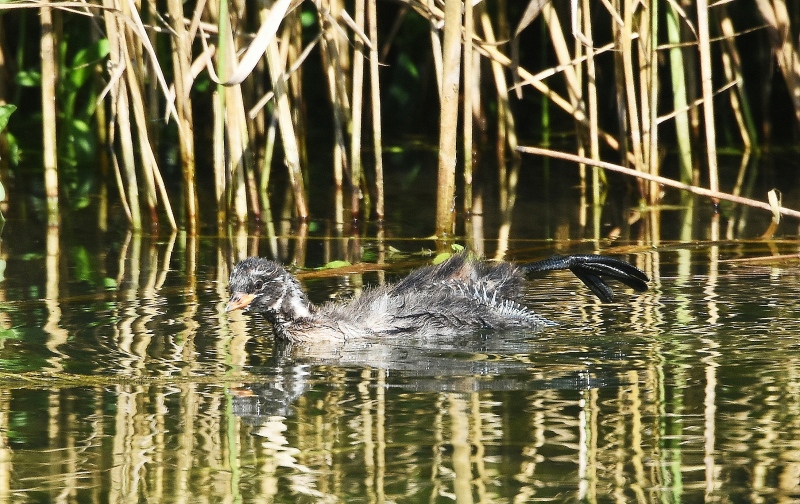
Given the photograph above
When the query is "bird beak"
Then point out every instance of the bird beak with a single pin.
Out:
(238, 301)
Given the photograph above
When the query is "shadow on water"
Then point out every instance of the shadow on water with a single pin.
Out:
(124, 379)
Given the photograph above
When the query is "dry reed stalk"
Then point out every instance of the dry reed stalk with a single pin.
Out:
(237, 115)
(113, 88)
(779, 24)
(162, 189)
(357, 113)
(239, 154)
(506, 122)
(502, 112)
(236, 137)
(266, 171)
(49, 115)
(339, 156)
(477, 119)
(505, 130)
(375, 94)
(696, 104)
(247, 139)
(740, 175)
(181, 64)
(256, 115)
(679, 99)
(507, 178)
(225, 183)
(284, 112)
(626, 156)
(632, 107)
(469, 29)
(732, 66)
(218, 152)
(238, 148)
(490, 51)
(651, 94)
(563, 56)
(153, 180)
(574, 62)
(128, 185)
(130, 49)
(591, 94)
(707, 86)
(241, 69)
(448, 125)
(266, 162)
(120, 184)
(295, 55)
(128, 158)
(332, 63)
(4, 82)
(341, 59)
(581, 133)
(643, 63)
(152, 100)
(336, 8)
(700, 191)
(100, 121)
(741, 218)
(436, 46)
(135, 25)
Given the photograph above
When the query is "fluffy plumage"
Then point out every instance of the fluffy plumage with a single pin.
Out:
(461, 294)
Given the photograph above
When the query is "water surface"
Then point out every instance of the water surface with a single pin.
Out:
(124, 380)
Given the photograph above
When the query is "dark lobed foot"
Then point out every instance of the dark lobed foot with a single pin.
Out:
(590, 269)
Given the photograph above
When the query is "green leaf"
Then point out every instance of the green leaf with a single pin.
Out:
(28, 78)
(82, 66)
(334, 265)
(440, 258)
(81, 262)
(9, 334)
(307, 18)
(5, 115)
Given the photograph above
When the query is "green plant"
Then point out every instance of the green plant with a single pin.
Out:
(5, 115)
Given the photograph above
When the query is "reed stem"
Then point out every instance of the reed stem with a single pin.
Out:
(357, 113)
(707, 87)
(448, 125)
(49, 115)
(469, 29)
(679, 100)
(632, 107)
(181, 64)
(652, 92)
(714, 195)
(287, 130)
(375, 93)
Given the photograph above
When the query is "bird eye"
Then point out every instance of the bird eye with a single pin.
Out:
(259, 284)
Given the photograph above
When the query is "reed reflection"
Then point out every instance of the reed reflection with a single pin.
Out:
(149, 391)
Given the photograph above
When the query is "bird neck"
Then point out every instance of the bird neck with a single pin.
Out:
(294, 304)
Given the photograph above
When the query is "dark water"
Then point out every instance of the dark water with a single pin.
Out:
(124, 380)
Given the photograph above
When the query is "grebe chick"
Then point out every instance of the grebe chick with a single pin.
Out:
(459, 295)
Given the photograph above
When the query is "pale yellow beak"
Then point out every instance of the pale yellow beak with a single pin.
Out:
(238, 301)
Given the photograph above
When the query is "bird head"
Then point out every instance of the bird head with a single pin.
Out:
(263, 286)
